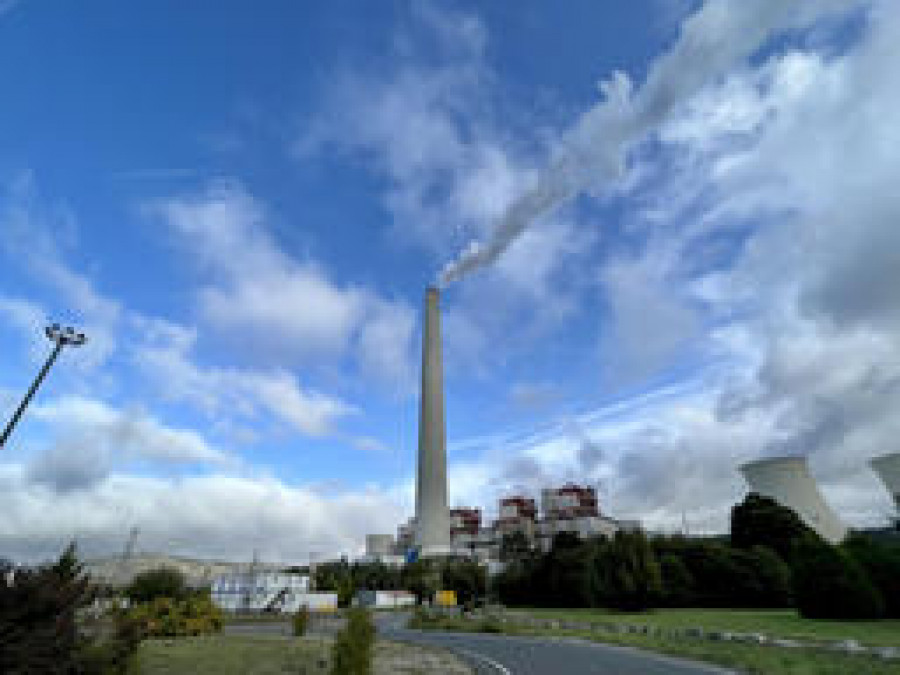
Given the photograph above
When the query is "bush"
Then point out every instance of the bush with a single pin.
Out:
(352, 650)
(628, 572)
(829, 584)
(300, 621)
(881, 561)
(165, 617)
(678, 582)
(465, 578)
(163, 582)
(761, 521)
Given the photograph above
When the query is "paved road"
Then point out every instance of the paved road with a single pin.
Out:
(514, 655)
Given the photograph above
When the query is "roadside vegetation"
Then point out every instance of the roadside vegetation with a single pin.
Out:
(748, 658)
(771, 560)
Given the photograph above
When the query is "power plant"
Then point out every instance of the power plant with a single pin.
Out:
(788, 481)
(888, 469)
(432, 521)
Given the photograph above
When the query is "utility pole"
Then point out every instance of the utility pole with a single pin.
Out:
(60, 337)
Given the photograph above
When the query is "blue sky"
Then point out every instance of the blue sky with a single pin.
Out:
(242, 206)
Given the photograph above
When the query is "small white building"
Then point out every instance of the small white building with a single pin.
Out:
(268, 592)
(385, 599)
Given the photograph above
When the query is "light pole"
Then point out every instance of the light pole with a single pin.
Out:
(60, 337)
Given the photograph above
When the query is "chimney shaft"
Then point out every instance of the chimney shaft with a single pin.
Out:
(432, 518)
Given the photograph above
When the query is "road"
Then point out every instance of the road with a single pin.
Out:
(514, 655)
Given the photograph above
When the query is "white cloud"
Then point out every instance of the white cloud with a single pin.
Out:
(213, 516)
(165, 359)
(35, 237)
(288, 309)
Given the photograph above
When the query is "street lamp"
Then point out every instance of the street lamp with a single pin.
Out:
(60, 337)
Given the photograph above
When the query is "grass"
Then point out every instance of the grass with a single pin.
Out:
(774, 623)
(232, 655)
(747, 658)
(264, 655)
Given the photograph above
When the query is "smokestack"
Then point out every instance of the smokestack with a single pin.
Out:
(787, 480)
(888, 469)
(432, 517)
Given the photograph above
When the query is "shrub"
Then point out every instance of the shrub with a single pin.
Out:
(162, 582)
(678, 582)
(352, 650)
(829, 584)
(165, 617)
(881, 561)
(629, 574)
(466, 578)
(761, 521)
(300, 621)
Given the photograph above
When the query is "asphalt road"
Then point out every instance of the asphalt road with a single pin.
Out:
(514, 655)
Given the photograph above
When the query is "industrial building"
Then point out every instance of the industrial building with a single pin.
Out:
(568, 508)
(253, 591)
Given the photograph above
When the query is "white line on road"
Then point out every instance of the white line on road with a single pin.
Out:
(503, 670)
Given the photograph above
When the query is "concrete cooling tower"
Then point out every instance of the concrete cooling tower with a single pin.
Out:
(787, 480)
(432, 517)
(888, 469)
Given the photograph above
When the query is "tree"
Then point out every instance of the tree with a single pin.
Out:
(422, 579)
(514, 546)
(38, 630)
(351, 653)
(678, 582)
(881, 561)
(466, 578)
(162, 582)
(629, 574)
(829, 584)
(761, 521)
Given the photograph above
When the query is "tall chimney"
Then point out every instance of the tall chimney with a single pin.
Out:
(432, 518)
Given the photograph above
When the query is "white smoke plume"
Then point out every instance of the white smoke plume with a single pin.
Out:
(712, 40)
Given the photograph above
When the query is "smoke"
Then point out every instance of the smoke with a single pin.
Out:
(720, 34)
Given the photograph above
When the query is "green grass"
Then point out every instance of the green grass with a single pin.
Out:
(747, 658)
(774, 623)
(231, 655)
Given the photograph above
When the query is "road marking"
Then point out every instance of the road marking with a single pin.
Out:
(503, 670)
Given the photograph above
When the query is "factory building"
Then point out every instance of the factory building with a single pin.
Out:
(276, 592)
(568, 502)
(569, 508)
(517, 514)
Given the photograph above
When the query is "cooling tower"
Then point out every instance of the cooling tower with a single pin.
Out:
(888, 469)
(432, 517)
(787, 480)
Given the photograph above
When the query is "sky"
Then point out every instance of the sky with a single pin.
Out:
(667, 231)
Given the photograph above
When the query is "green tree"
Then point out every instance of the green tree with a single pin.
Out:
(761, 521)
(881, 561)
(162, 582)
(514, 546)
(629, 574)
(466, 578)
(352, 650)
(830, 584)
(39, 632)
(678, 582)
